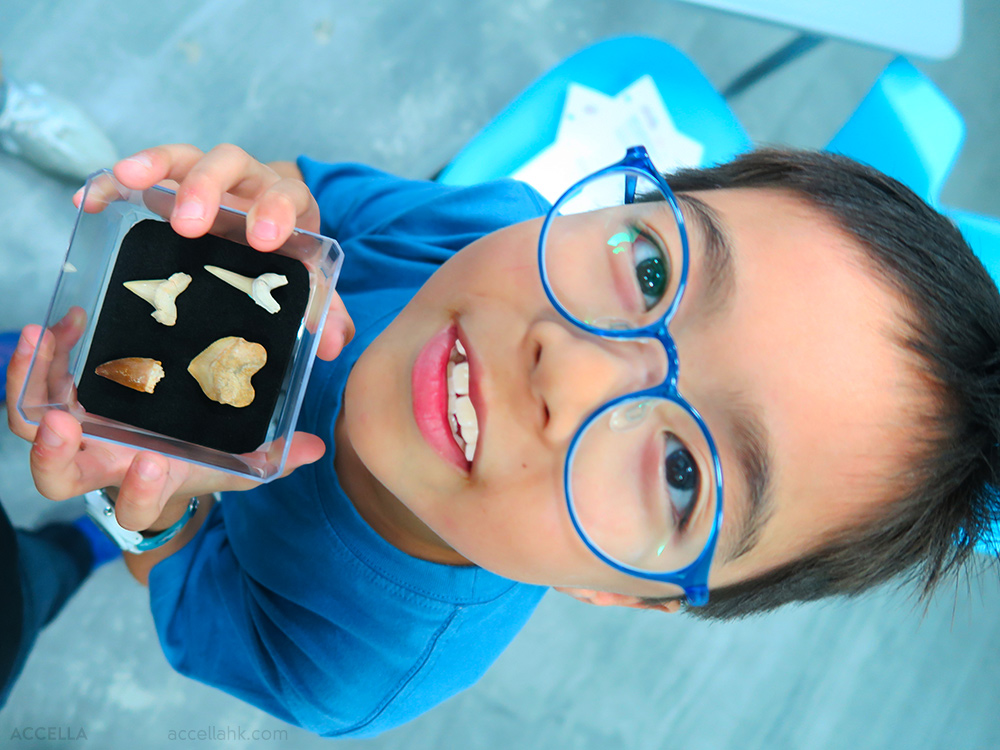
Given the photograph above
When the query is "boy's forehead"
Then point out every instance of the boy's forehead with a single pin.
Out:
(808, 346)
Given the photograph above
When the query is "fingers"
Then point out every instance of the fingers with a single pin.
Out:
(274, 205)
(154, 165)
(99, 192)
(224, 169)
(337, 332)
(144, 491)
(17, 372)
(305, 449)
(65, 333)
(284, 205)
(50, 380)
(152, 480)
(53, 457)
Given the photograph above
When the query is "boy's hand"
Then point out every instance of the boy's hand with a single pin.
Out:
(65, 465)
(274, 204)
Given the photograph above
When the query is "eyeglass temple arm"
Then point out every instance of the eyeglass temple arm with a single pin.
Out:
(630, 182)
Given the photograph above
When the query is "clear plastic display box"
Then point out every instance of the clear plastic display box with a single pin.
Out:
(124, 235)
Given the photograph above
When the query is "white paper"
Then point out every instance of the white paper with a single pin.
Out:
(595, 130)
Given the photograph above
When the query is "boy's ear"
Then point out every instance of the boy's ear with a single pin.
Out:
(607, 599)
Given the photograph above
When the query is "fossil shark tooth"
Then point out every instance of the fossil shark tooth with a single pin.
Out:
(259, 288)
(224, 368)
(161, 294)
(137, 373)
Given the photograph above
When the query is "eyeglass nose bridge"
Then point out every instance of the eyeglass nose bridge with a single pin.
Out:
(673, 360)
(667, 388)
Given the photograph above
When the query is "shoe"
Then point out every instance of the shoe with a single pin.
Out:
(51, 133)
(8, 343)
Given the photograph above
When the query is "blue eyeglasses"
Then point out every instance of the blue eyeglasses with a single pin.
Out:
(643, 479)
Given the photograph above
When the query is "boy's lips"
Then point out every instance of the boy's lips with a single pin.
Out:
(429, 387)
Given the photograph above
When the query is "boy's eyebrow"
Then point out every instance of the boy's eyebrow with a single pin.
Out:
(753, 456)
(718, 267)
(750, 436)
(749, 433)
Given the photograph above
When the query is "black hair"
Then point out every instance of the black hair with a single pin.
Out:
(945, 499)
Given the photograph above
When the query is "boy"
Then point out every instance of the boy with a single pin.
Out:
(829, 349)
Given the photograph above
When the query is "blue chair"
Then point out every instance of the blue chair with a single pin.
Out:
(906, 128)
(530, 122)
(983, 235)
(8, 342)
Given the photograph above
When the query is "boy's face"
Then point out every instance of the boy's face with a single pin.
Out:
(798, 345)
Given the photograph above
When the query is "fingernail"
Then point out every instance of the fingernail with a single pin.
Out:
(265, 229)
(49, 437)
(149, 470)
(142, 160)
(189, 210)
(23, 345)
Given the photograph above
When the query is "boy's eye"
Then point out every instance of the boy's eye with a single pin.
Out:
(652, 269)
(683, 481)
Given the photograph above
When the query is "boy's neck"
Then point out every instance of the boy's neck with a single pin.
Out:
(381, 510)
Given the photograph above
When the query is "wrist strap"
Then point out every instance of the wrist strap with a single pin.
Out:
(101, 508)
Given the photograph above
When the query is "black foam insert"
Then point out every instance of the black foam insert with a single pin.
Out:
(209, 309)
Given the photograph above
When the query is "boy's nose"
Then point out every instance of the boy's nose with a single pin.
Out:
(574, 372)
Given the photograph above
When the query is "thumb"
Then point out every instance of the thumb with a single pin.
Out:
(305, 449)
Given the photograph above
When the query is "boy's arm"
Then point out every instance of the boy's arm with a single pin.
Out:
(139, 565)
(63, 463)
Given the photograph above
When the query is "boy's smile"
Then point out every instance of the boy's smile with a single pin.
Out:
(791, 360)
(447, 405)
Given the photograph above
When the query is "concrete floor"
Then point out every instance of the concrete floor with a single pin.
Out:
(403, 86)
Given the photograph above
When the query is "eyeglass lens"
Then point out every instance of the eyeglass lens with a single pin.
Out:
(641, 475)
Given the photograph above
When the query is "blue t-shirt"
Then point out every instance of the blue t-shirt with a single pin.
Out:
(286, 598)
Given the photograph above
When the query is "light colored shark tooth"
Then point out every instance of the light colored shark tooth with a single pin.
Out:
(161, 294)
(137, 373)
(259, 288)
(224, 368)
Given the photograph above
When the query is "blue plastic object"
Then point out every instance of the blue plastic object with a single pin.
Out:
(8, 342)
(906, 128)
(530, 122)
(983, 235)
(693, 578)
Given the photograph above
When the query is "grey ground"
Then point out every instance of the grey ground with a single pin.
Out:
(403, 85)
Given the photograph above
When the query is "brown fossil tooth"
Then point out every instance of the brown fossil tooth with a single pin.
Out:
(224, 368)
(138, 373)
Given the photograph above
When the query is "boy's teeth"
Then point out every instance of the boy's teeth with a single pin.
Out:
(459, 377)
(461, 413)
(465, 413)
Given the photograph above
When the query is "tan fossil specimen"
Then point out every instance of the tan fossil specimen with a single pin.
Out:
(224, 368)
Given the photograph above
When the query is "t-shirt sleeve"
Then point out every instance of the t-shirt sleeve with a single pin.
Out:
(338, 666)
(220, 627)
(412, 226)
(211, 628)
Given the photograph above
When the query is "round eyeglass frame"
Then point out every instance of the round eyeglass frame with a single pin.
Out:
(693, 578)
